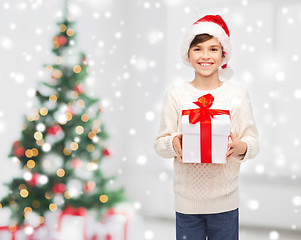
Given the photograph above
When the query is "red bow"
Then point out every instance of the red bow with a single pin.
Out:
(204, 115)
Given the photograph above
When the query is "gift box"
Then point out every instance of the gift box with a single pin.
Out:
(9, 232)
(72, 224)
(119, 223)
(15, 232)
(40, 233)
(206, 129)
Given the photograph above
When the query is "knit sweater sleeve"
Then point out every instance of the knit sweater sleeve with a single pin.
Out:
(168, 127)
(247, 127)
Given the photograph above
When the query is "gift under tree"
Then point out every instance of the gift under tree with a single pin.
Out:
(62, 143)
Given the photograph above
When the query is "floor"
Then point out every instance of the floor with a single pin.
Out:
(162, 229)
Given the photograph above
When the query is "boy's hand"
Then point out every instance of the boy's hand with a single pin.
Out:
(177, 146)
(236, 148)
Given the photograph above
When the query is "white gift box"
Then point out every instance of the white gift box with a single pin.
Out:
(67, 225)
(8, 235)
(120, 223)
(192, 135)
(40, 233)
(123, 227)
(73, 224)
(72, 228)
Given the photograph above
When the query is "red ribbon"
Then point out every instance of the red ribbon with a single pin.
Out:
(74, 212)
(12, 229)
(203, 114)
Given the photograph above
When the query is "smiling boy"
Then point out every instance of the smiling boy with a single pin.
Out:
(206, 194)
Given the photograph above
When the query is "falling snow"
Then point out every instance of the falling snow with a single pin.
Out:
(142, 160)
(131, 67)
(274, 235)
(149, 234)
(150, 116)
(6, 43)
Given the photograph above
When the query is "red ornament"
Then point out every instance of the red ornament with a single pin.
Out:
(76, 163)
(106, 152)
(34, 180)
(59, 188)
(111, 211)
(85, 61)
(62, 40)
(16, 144)
(89, 186)
(70, 110)
(80, 88)
(19, 151)
(53, 130)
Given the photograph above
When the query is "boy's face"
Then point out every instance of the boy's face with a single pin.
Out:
(206, 57)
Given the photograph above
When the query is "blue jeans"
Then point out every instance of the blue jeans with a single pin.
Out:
(217, 226)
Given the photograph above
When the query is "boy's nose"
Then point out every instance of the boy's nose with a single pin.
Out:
(205, 55)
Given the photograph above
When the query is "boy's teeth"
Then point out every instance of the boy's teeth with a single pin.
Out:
(205, 64)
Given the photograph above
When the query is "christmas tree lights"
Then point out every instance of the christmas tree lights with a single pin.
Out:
(62, 144)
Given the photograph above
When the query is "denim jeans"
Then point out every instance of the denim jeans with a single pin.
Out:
(217, 226)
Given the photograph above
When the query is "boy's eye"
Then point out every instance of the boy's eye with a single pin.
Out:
(214, 49)
(196, 49)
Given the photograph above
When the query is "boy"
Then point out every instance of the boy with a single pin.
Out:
(206, 194)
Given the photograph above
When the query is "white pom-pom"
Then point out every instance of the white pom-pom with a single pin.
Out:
(226, 73)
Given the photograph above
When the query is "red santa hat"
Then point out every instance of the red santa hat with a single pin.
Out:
(215, 26)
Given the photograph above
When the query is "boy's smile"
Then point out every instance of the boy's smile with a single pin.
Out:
(205, 64)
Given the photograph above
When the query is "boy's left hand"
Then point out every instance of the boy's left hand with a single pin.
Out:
(236, 147)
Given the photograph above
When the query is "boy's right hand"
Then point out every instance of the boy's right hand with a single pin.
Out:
(177, 146)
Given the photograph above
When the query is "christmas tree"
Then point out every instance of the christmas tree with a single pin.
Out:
(62, 143)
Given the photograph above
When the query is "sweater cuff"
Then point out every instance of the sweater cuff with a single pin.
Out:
(248, 152)
(169, 144)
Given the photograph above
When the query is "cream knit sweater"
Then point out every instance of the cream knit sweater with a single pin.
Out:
(202, 188)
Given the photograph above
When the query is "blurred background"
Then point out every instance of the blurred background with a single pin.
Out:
(133, 49)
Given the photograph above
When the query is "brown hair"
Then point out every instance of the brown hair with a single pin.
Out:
(201, 38)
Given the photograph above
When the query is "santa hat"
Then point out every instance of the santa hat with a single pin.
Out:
(215, 26)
